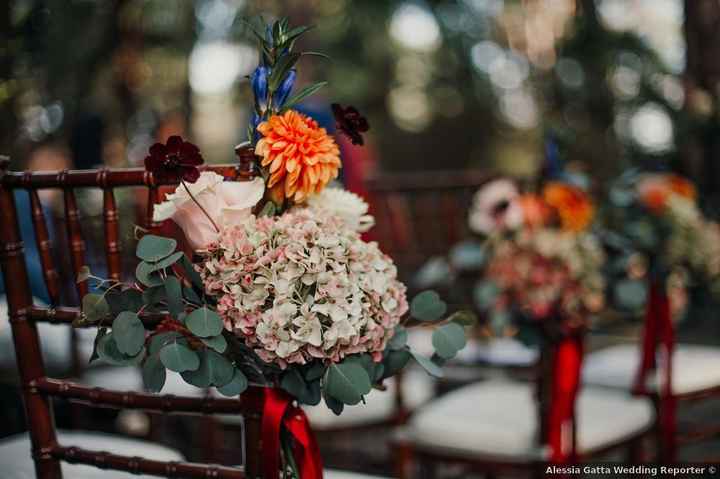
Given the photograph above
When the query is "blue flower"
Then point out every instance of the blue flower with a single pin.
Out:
(255, 120)
(259, 82)
(283, 91)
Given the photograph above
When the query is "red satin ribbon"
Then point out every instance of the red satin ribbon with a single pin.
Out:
(659, 329)
(278, 412)
(565, 385)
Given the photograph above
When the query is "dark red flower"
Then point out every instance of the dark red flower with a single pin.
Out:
(350, 122)
(174, 161)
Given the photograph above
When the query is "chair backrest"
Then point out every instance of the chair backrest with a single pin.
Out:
(37, 388)
(420, 215)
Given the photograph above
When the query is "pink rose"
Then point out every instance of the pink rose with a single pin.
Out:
(228, 203)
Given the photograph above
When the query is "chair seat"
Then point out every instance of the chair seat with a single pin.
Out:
(694, 368)
(16, 462)
(112, 377)
(379, 406)
(499, 419)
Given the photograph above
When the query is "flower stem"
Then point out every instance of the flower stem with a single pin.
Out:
(200, 206)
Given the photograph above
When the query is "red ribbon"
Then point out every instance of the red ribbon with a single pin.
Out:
(659, 329)
(567, 362)
(279, 411)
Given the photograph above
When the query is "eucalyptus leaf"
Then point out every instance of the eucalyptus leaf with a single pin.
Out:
(179, 358)
(395, 361)
(427, 306)
(154, 374)
(237, 385)
(154, 295)
(214, 370)
(100, 334)
(347, 382)
(129, 333)
(191, 273)
(109, 353)
(630, 294)
(153, 248)
(167, 262)
(399, 339)
(173, 292)
(448, 339)
(204, 322)
(427, 364)
(316, 371)
(146, 275)
(485, 293)
(161, 339)
(333, 404)
(95, 307)
(127, 300)
(191, 295)
(218, 343)
(83, 274)
(294, 383)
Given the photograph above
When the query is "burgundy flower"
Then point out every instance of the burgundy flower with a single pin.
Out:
(174, 161)
(350, 122)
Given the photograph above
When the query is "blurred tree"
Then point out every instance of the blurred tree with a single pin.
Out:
(702, 83)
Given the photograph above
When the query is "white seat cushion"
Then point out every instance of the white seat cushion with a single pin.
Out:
(379, 406)
(499, 418)
(335, 474)
(113, 377)
(16, 462)
(694, 367)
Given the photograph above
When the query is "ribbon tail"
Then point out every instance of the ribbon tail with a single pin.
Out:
(561, 419)
(650, 339)
(668, 402)
(306, 449)
(276, 403)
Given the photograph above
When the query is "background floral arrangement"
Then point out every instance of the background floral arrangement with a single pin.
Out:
(283, 291)
(660, 234)
(541, 260)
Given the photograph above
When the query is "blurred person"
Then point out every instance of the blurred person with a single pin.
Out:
(43, 158)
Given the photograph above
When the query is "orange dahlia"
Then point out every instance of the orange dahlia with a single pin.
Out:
(301, 156)
(573, 205)
(655, 190)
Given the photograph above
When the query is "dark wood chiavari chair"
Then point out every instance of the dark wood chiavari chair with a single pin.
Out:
(420, 215)
(500, 426)
(38, 389)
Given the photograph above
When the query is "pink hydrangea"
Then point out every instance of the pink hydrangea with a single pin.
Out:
(302, 286)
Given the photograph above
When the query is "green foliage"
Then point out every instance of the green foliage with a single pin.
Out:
(94, 307)
(464, 318)
(427, 306)
(395, 361)
(630, 294)
(399, 339)
(129, 333)
(237, 385)
(173, 293)
(153, 374)
(179, 358)
(218, 343)
(428, 365)
(127, 300)
(347, 382)
(108, 352)
(153, 248)
(485, 294)
(448, 340)
(302, 94)
(147, 275)
(306, 391)
(214, 370)
(204, 322)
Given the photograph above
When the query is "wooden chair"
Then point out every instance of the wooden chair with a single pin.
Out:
(37, 388)
(499, 426)
(695, 378)
(420, 215)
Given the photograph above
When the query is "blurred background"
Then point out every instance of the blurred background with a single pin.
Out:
(454, 90)
(445, 84)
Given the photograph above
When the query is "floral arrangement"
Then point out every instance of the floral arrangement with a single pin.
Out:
(661, 235)
(283, 291)
(541, 261)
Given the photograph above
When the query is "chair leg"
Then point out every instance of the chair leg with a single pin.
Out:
(635, 451)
